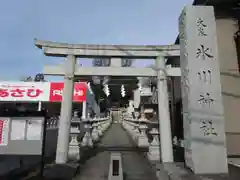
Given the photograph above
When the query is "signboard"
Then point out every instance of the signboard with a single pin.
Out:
(56, 90)
(39, 91)
(24, 91)
(25, 137)
(29, 129)
(4, 130)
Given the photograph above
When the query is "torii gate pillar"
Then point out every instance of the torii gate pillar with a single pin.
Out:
(163, 112)
(66, 111)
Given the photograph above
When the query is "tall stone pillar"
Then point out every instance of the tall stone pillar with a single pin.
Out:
(163, 111)
(204, 134)
(66, 111)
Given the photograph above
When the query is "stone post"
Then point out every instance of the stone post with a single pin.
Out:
(84, 109)
(39, 105)
(142, 138)
(74, 149)
(87, 139)
(154, 149)
(163, 112)
(203, 118)
(66, 111)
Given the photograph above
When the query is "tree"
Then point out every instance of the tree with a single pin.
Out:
(39, 77)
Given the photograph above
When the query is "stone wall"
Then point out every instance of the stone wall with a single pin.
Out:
(230, 81)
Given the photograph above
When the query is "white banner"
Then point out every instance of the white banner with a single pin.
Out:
(24, 91)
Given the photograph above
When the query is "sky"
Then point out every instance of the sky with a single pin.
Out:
(140, 22)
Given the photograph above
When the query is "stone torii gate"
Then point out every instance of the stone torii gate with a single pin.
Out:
(115, 53)
(205, 149)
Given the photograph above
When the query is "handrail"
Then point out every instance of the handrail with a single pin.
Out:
(53, 122)
(139, 120)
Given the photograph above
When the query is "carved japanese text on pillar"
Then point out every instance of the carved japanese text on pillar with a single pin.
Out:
(201, 27)
(206, 100)
(182, 33)
(183, 52)
(184, 56)
(185, 82)
(182, 26)
(207, 128)
(205, 76)
(200, 80)
(203, 52)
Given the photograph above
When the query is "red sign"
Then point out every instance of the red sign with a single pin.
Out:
(1, 131)
(56, 90)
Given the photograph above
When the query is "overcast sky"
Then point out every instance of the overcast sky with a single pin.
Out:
(80, 21)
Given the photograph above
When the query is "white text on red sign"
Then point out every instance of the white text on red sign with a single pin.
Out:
(60, 92)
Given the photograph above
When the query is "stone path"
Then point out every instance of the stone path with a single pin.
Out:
(135, 165)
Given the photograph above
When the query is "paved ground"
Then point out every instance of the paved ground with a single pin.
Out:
(135, 165)
(177, 171)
